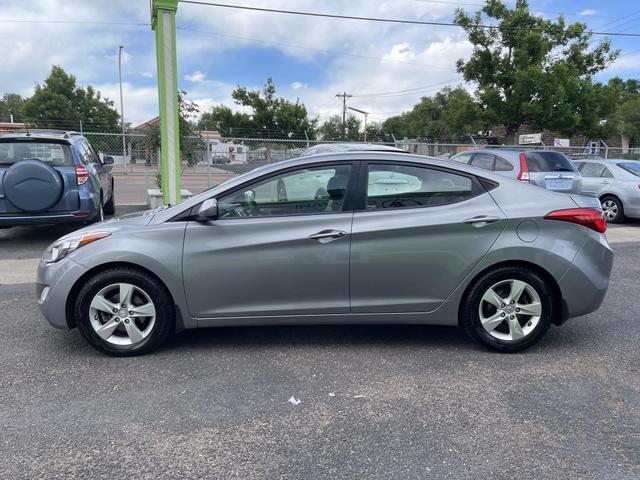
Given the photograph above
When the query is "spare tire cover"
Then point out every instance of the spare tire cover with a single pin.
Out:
(32, 185)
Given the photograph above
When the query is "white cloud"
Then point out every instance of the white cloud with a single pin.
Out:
(195, 77)
(298, 85)
(589, 12)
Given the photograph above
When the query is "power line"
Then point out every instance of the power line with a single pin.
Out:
(378, 19)
(408, 91)
(79, 22)
(313, 49)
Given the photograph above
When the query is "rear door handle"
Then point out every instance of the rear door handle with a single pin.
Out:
(481, 220)
(326, 236)
(605, 181)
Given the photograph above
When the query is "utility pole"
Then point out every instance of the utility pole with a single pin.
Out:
(124, 140)
(366, 114)
(344, 96)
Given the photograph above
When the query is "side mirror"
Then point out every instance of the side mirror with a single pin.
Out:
(208, 210)
(108, 160)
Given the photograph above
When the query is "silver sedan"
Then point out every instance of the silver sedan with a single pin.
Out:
(361, 237)
(616, 183)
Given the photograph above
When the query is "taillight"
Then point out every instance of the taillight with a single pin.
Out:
(592, 218)
(82, 175)
(523, 176)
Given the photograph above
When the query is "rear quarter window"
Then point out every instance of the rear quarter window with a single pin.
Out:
(51, 153)
(548, 162)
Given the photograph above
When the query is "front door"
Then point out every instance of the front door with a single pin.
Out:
(421, 233)
(280, 246)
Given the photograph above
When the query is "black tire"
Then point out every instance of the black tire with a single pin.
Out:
(157, 292)
(470, 308)
(618, 208)
(99, 217)
(110, 206)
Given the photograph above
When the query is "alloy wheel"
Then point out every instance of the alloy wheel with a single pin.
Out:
(510, 310)
(610, 209)
(122, 314)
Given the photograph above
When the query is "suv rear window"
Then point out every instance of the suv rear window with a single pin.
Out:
(51, 153)
(548, 162)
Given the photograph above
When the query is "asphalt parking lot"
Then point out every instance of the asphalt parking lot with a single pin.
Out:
(376, 401)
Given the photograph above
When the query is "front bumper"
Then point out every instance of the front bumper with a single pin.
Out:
(54, 282)
(585, 284)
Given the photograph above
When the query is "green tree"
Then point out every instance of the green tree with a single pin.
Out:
(11, 104)
(227, 122)
(630, 119)
(273, 116)
(449, 113)
(331, 129)
(60, 103)
(531, 70)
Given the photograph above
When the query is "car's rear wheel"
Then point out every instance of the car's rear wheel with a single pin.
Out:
(613, 209)
(507, 309)
(110, 206)
(124, 312)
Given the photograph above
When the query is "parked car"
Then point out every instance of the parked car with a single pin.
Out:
(543, 168)
(616, 183)
(348, 147)
(220, 159)
(51, 177)
(398, 238)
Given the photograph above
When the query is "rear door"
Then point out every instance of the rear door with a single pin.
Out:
(419, 233)
(553, 171)
(593, 181)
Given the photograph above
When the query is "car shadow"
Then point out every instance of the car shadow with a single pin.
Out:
(267, 337)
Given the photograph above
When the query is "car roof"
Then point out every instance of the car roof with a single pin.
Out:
(354, 146)
(42, 133)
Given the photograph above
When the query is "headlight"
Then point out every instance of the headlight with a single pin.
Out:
(60, 249)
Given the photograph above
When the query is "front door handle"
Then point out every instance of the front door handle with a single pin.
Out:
(481, 220)
(326, 236)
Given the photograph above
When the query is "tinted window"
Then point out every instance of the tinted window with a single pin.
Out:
(300, 192)
(401, 186)
(631, 167)
(54, 154)
(592, 170)
(483, 160)
(463, 158)
(502, 165)
(607, 173)
(548, 162)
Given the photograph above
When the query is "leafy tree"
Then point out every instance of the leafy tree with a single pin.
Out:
(331, 129)
(227, 122)
(450, 112)
(11, 104)
(275, 117)
(60, 103)
(630, 119)
(531, 70)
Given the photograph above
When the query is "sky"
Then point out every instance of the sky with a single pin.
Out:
(386, 67)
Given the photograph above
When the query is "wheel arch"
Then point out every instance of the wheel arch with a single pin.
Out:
(559, 311)
(75, 289)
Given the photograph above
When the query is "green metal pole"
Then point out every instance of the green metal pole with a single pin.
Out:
(163, 21)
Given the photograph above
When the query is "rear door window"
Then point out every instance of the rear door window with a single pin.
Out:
(463, 158)
(503, 165)
(592, 170)
(548, 162)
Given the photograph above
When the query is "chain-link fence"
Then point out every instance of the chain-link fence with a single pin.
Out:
(207, 162)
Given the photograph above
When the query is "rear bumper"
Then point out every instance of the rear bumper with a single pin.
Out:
(585, 284)
(47, 218)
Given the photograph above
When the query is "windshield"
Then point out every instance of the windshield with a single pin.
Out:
(51, 153)
(631, 167)
(548, 162)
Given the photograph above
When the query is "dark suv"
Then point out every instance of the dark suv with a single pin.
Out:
(49, 176)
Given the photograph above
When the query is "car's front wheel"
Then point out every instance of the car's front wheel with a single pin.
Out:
(507, 309)
(124, 311)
